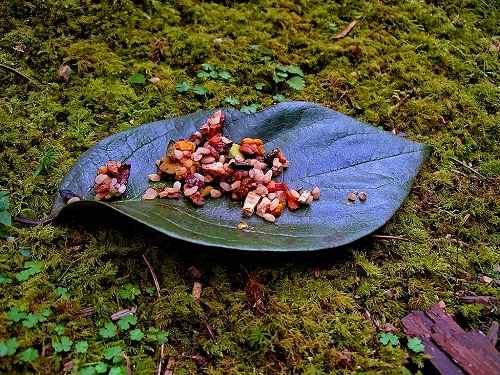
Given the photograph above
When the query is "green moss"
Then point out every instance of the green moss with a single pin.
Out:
(429, 70)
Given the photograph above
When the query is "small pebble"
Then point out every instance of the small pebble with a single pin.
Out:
(74, 199)
(100, 178)
(316, 192)
(150, 194)
(155, 177)
(362, 196)
(269, 217)
(352, 196)
(10, 239)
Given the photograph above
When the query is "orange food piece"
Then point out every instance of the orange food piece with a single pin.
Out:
(293, 203)
(252, 147)
(183, 145)
(274, 186)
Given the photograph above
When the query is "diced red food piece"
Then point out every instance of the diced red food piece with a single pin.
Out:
(220, 143)
(292, 201)
(251, 147)
(196, 199)
(274, 186)
(213, 125)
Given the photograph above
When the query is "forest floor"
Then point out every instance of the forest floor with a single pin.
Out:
(429, 70)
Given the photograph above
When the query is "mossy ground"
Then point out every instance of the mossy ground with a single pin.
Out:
(429, 69)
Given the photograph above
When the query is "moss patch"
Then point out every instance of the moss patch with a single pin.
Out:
(430, 70)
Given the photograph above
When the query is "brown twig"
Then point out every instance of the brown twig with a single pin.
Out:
(15, 71)
(386, 237)
(468, 168)
(157, 286)
(344, 32)
(25, 220)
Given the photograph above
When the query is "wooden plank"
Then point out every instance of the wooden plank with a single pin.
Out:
(417, 324)
(473, 353)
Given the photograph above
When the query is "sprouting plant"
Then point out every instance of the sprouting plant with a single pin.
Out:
(259, 85)
(249, 108)
(109, 330)
(200, 90)
(137, 78)
(46, 161)
(257, 337)
(332, 26)
(210, 72)
(4, 279)
(59, 329)
(32, 268)
(29, 355)
(16, 313)
(291, 74)
(8, 347)
(62, 345)
(126, 321)
(182, 86)
(62, 292)
(160, 336)
(279, 97)
(5, 217)
(232, 101)
(130, 291)
(114, 353)
(136, 334)
(416, 345)
(81, 347)
(386, 338)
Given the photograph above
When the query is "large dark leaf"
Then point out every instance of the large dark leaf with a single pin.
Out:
(325, 148)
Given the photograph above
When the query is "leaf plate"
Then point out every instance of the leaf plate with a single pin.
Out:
(324, 148)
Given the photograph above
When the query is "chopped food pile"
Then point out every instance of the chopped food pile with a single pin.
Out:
(210, 165)
(111, 180)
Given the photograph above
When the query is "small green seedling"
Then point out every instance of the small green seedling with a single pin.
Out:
(47, 161)
(62, 292)
(137, 78)
(279, 97)
(62, 345)
(4, 279)
(5, 217)
(182, 86)
(114, 353)
(332, 26)
(259, 85)
(416, 345)
(29, 355)
(109, 330)
(130, 291)
(292, 74)
(59, 329)
(386, 338)
(200, 90)
(126, 321)
(81, 347)
(136, 334)
(9, 347)
(16, 313)
(232, 101)
(32, 268)
(252, 108)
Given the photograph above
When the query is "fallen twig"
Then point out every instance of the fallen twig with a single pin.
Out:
(344, 32)
(15, 71)
(119, 314)
(387, 237)
(468, 168)
(157, 286)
